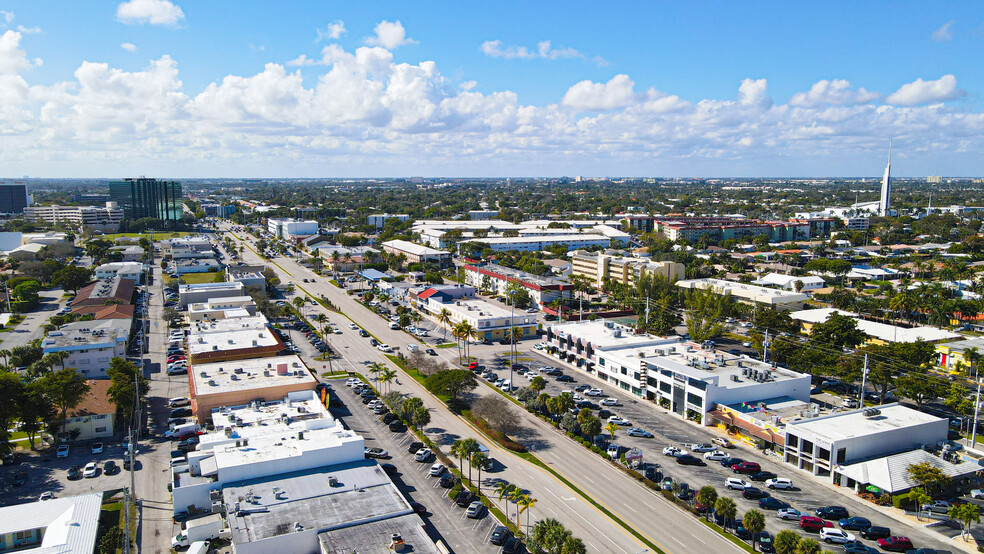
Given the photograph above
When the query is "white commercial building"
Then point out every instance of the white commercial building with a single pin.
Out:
(378, 220)
(682, 376)
(232, 339)
(89, 344)
(58, 526)
(571, 241)
(821, 445)
(222, 308)
(490, 322)
(205, 292)
(880, 333)
(260, 440)
(416, 253)
(291, 229)
(110, 215)
(498, 279)
(238, 382)
(749, 294)
(791, 282)
(124, 270)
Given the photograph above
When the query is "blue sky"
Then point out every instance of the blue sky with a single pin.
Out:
(220, 88)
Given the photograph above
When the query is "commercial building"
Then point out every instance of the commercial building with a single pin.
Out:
(378, 220)
(204, 292)
(490, 322)
(878, 333)
(217, 210)
(482, 215)
(13, 198)
(684, 377)
(719, 229)
(239, 338)
(110, 311)
(145, 197)
(953, 355)
(66, 525)
(234, 383)
(202, 265)
(100, 218)
(291, 229)
(222, 308)
(497, 279)
(123, 270)
(95, 416)
(89, 344)
(258, 440)
(416, 253)
(749, 294)
(791, 282)
(598, 266)
(130, 253)
(169, 247)
(571, 241)
(104, 292)
(822, 445)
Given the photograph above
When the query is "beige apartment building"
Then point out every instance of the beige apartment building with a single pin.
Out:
(625, 270)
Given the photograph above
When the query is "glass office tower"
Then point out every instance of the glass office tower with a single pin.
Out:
(147, 198)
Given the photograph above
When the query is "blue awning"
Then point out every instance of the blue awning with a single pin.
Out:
(374, 275)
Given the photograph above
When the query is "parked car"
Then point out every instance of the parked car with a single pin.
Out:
(464, 498)
(513, 545)
(422, 455)
(835, 536)
(674, 451)
(414, 447)
(854, 523)
(788, 514)
(377, 453)
(752, 493)
(876, 532)
(765, 542)
(715, 456)
(47, 495)
(937, 507)
(475, 510)
(448, 480)
(62, 451)
(770, 503)
(762, 476)
(636, 432)
(594, 392)
(609, 402)
(735, 483)
(895, 544)
(746, 468)
(832, 512)
(500, 535)
(813, 524)
(779, 483)
(702, 447)
(96, 448)
(688, 460)
(74, 472)
(437, 470)
(91, 470)
(110, 468)
(722, 442)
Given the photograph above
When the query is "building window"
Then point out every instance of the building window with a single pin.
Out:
(695, 400)
(625, 371)
(100, 429)
(601, 361)
(824, 455)
(791, 441)
(841, 455)
(665, 387)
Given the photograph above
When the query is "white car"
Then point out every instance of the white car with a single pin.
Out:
(437, 470)
(336, 330)
(613, 451)
(352, 381)
(353, 326)
(594, 392)
(702, 447)
(422, 455)
(780, 483)
(735, 484)
(831, 535)
(977, 493)
(91, 469)
(411, 348)
(47, 495)
(609, 402)
(674, 451)
(789, 513)
(384, 348)
(619, 420)
(62, 451)
(96, 448)
(715, 456)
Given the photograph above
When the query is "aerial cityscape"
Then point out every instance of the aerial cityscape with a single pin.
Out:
(478, 279)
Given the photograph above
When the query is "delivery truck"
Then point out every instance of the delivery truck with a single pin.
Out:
(200, 529)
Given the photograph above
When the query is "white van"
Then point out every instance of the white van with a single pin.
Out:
(394, 326)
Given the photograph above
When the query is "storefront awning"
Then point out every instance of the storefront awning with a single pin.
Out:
(749, 428)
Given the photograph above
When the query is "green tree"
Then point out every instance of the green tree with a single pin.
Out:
(463, 449)
(35, 409)
(930, 477)
(452, 382)
(705, 311)
(478, 459)
(123, 391)
(839, 331)
(538, 384)
(72, 277)
(707, 496)
(726, 508)
(786, 541)
(754, 522)
(409, 406)
(65, 389)
(808, 546)
(612, 429)
(11, 391)
(967, 514)
(591, 427)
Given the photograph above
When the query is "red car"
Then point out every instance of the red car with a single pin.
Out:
(746, 467)
(895, 544)
(813, 524)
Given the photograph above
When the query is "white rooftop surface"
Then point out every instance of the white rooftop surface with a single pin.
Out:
(742, 290)
(480, 308)
(231, 340)
(414, 248)
(224, 325)
(82, 335)
(854, 424)
(571, 237)
(891, 473)
(69, 523)
(122, 267)
(375, 537)
(201, 287)
(782, 280)
(602, 337)
(363, 493)
(881, 331)
(254, 373)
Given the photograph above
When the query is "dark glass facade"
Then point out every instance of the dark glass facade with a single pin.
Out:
(147, 198)
(13, 198)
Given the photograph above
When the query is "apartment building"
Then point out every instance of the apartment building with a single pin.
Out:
(598, 266)
(497, 279)
(416, 253)
(749, 294)
(90, 345)
(291, 229)
(92, 216)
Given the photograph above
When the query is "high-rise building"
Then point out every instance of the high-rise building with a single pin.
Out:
(13, 198)
(145, 197)
(885, 202)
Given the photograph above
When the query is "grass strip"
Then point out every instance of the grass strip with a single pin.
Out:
(742, 544)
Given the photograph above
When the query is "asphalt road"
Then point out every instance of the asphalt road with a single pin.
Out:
(30, 328)
(644, 510)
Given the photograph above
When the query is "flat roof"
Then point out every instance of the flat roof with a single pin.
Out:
(124, 267)
(254, 373)
(231, 340)
(414, 248)
(479, 309)
(206, 287)
(83, 335)
(854, 424)
(962, 345)
(572, 237)
(69, 523)
(306, 500)
(881, 331)
(496, 270)
(606, 335)
(376, 537)
(744, 290)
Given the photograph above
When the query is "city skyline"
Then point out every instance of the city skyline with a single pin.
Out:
(229, 90)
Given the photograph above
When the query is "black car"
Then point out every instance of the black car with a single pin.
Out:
(74, 472)
(181, 412)
(765, 542)
(110, 468)
(431, 352)
(854, 523)
(500, 535)
(875, 532)
(512, 546)
(857, 547)
(770, 503)
(414, 447)
(20, 479)
(762, 476)
(418, 508)
(742, 533)
(688, 460)
(388, 418)
(448, 480)
(368, 399)
(389, 468)
(397, 427)
(832, 512)
(565, 379)
(464, 498)
(752, 493)
(728, 462)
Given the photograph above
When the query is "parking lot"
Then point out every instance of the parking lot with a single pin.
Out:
(443, 519)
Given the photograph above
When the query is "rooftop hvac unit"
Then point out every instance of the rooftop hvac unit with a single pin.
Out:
(254, 342)
(238, 370)
(300, 435)
(735, 378)
(232, 341)
(212, 383)
(234, 377)
(204, 374)
(332, 481)
(215, 347)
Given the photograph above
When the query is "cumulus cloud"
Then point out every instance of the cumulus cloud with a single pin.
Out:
(544, 50)
(836, 91)
(365, 113)
(129, 46)
(333, 31)
(591, 96)
(943, 34)
(153, 12)
(390, 35)
(922, 92)
(494, 49)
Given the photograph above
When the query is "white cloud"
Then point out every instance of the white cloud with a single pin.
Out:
(129, 46)
(28, 30)
(836, 91)
(390, 35)
(590, 96)
(922, 92)
(544, 50)
(154, 12)
(13, 59)
(494, 49)
(333, 31)
(7, 16)
(944, 33)
(468, 85)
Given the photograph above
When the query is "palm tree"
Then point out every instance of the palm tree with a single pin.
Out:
(525, 504)
(726, 508)
(516, 496)
(387, 377)
(468, 448)
(466, 332)
(754, 522)
(321, 318)
(479, 459)
(514, 335)
(503, 489)
(6, 356)
(612, 429)
(55, 358)
(298, 303)
(376, 368)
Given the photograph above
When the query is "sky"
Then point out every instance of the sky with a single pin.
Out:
(220, 88)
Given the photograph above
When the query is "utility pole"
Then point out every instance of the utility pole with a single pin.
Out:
(977, 406)
(646, 328)
(864, 378)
